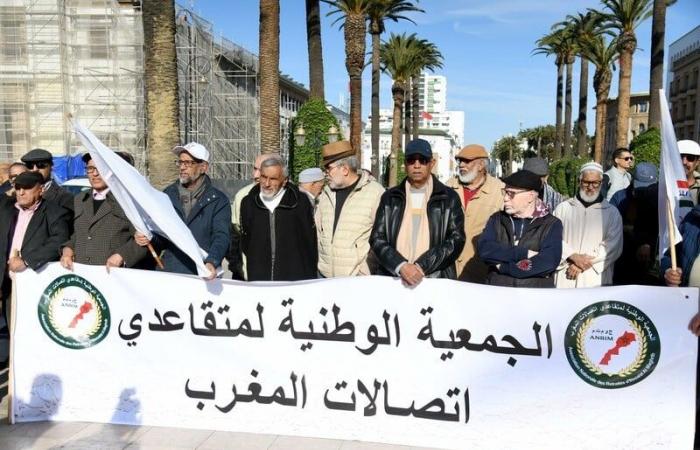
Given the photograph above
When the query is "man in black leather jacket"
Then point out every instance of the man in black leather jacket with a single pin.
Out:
(419, 227)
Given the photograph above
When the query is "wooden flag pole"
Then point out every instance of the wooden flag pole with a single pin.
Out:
(159, 262)
(671, 233)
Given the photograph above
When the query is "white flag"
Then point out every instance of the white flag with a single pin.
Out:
(148, 209)
(673, 184)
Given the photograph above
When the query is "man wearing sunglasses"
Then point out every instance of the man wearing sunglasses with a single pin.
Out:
(15, 169)
(419, 227)
(690, 156)
(41, 161)
(618, 177)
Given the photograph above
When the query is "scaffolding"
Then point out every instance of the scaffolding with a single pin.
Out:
(83, 57)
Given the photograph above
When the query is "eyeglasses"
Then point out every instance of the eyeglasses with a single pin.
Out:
(628, 158)
(510, 193)
(594, 184)
(92, 170)
(329, 168)
(421, 159)
(38, 165)
(690, 158)
(186, 163)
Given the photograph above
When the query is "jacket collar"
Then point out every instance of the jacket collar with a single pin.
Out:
(438, 188)
(290, 199)
(207, 197)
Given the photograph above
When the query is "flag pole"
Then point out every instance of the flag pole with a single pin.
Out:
(671, 233)
(159, 262)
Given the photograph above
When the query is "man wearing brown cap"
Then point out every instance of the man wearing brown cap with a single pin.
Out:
(481, 196)
(523, 243)
(345, 213)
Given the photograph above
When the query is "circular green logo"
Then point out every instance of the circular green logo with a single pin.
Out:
(73, 313)
(612, 345)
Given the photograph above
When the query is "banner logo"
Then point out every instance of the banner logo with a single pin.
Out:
(73, 313)
(612, 345)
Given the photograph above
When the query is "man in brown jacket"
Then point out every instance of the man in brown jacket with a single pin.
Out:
(481, 196)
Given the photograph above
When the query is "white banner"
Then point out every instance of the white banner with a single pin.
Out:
(448, 364)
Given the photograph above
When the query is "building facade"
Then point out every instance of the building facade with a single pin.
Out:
(684, 85)
(638, 122)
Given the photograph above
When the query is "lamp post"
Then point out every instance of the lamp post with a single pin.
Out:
(314, 140)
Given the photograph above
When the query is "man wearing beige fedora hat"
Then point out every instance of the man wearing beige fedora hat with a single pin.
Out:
(480, 194)
(345, 214)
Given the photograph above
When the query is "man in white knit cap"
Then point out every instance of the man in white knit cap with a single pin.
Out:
(592, 234)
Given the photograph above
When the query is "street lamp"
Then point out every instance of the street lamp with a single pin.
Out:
(300, 136)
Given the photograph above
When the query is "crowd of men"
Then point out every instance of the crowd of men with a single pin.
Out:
(338, 222)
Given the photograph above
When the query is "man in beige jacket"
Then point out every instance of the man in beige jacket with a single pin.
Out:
(345, 213)
(481, 196)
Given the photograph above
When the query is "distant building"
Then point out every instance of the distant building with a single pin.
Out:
(638, 122)
(684, 86)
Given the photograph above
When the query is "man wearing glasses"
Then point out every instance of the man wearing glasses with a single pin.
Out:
(480, 194)
(592, 234)
(618, 177)
(8, 188)
(690, 156)
(205, 210)
(41, 161)
(522, 243)
(419, 228)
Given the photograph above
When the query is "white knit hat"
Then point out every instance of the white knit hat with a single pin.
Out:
(310, 175)
(592, 165)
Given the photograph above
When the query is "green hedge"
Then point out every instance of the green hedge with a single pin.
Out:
(316, 120)
(647, 147)
(564, 174)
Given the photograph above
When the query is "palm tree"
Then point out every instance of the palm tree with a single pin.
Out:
(379, 11)
(313, 41)
(397, 56)
(162, 109)
(584, 27)
(568, 50)
(552, 44)
(507, 149)
(429, 58)
(603, 56)
(269, 76)
(656, 72)
(353, 13)
(624, 16)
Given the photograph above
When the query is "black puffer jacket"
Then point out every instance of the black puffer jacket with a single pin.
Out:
(445, 222)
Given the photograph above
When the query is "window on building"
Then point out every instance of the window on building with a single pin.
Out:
(643, 107)
(99, 41)
(642, 128)
(13, 35)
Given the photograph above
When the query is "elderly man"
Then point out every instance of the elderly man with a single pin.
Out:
(41, 161)
(311, 183)
(419, 228)
(102, 234)
(277, 226)
(522, 244)
(205, 210)
(549, 196)
(480, 194)
(618, 177)
(31, 230)
(12, 171)
(345, 214)
(592, 234)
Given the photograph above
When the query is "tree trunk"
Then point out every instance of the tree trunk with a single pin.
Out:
(313, 39)
(407, 116)
(656, 73)
(354, 33)
(510, 160)
(162, 107)
(560, 103)
(376, 163)
(601, 116)
(398, 92)
(582, 131)
(628, 45)
(568, 108)
(269, 76)
(416, 106)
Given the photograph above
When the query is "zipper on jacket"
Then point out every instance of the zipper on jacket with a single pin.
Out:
(272, 244)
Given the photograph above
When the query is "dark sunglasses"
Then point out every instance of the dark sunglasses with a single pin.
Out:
(38, 165)
(421, 159)
(628, 158)
(690, 158)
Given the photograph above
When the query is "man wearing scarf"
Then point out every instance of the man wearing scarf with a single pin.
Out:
(522, 243)
(592, 234)
(419, 227)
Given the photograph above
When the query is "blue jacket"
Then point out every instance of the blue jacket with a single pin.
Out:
(688, 249)
(209, 222)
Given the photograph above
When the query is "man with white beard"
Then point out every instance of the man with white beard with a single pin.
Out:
(592, 238)
(278, 235)
(481, 196)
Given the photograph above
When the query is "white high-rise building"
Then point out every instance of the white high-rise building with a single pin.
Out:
(432, 93)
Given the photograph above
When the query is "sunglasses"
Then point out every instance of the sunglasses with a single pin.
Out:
(690, 158)
(38, 165)
(628, 158)
(421, 159)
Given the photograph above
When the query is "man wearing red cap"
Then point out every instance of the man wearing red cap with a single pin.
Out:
(481, 196)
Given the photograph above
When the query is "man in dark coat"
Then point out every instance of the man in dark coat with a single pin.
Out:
(419, 228)
(41, 161)
(31, 230)
(205, 210)
(277, 227)
(522, 244)
(102, 234)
